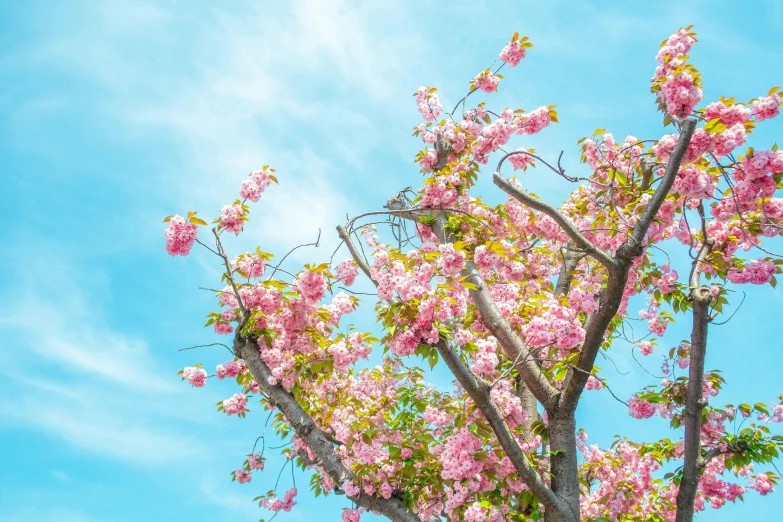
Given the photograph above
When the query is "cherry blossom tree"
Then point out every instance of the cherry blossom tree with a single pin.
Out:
(516, 301)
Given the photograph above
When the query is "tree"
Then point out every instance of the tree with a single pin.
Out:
(516, 300)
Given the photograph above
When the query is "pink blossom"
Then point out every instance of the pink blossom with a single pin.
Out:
(243, 476)
(512, 53)
(222, 327)
(428, 103)
(275, 504)
(678, 92)
(386, 490)
(728, 115)
(249, 190)
(534, 121)
(645, 348)
(593, 384)
(235, 405)
(485, 258)
(762, 484)
(766, 107)
(347, 271)
(730, 139)
(180, 236)
(252, 265)
(197, 377)
(255, 461)
(352, 515)
(350, 488)
(451, 261)
(757, 272)
(694, 182)
(228, 369)
(311, 285)
(232, 218)
(640, 409)
(520, 161)
(486, 81)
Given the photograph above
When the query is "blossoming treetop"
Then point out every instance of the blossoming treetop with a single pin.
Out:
(516, 300)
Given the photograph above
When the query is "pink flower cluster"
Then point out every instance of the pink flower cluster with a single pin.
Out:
(347, 272)
(436, 417)
(762, 484)
(230, 369)
(512, 53)
(346, 352)
(766, 107)
(757, 272)
(477, 513)
(556, 325)
(236, 404)
(486, 81)
(255, 461)
(728, 115)
(593, 383)
(197, 377)
(252, 265)
(678, 92)
(645, 348)
(259, 180)
(243, 476)
(232, 218)
(694, 182)
(640, 409)
(521, 161)
(352, 515)
(275, 504)
(311, 285)
(485, 258)
(180, 236)
(451, 261)
(428, 103)
(442, 193)
(624, 479)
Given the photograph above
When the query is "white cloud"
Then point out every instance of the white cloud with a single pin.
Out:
(93, 387)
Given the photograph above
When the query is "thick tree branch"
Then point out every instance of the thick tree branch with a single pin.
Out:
(497, 324)
(617, 276)
(564, 223)
(479, 391)
(357, 256)
(509, 341)
(570, 261)
(313, 437)
(230, 276)
(633, 246)
(694, 402)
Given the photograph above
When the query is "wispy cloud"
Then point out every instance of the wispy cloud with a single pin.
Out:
(92, 377)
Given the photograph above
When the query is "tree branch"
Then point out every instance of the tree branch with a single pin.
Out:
(316, 440)
(357, 256)
(565, 224)
(633, 246)
(479, 391)
(497, 324)
(617, 276)
(694, 403)
(570, 261)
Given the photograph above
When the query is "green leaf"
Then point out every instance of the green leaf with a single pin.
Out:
(433, 359)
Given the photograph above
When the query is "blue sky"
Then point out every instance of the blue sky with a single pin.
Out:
(116, 114)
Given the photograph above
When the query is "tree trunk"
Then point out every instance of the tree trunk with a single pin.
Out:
(694, 404)
(565, 474)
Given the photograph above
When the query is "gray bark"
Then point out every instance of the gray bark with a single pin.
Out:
(316, 440)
